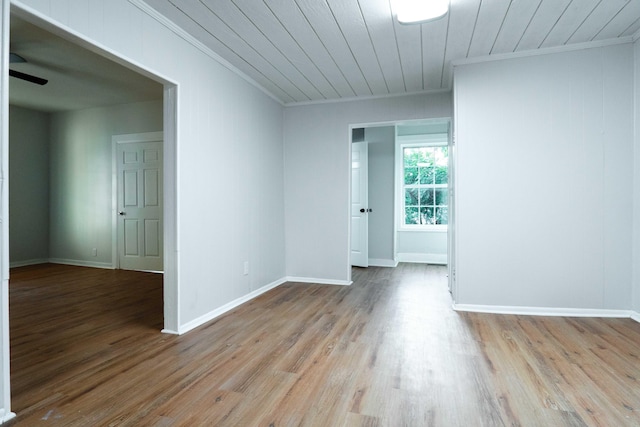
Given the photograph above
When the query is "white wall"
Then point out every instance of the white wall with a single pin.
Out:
(422, 246)
(81, 211)
(636, 181)
(317, 174)
(28, 186)
(545, 179)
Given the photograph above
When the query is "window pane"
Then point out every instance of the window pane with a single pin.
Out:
(441, 175)
(426, 196)
(411, 197)
(426, 216)
(426, 175)
(442, 215)
(441, 155)
(425, 168)
(410, 176)
(412, 156)
(411, 215)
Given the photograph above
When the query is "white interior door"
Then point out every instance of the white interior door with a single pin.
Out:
(139, 202)
(359, 205)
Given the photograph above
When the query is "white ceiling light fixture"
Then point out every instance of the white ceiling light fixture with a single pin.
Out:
(420, 11)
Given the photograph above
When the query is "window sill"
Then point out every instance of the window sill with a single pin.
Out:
(430, 229)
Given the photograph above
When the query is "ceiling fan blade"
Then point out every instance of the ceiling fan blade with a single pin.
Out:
(28, 77)
(14, 58)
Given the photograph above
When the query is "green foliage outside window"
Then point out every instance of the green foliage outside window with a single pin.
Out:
(425, 185)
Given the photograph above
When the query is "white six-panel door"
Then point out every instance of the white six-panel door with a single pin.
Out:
(139, 202)
(359, 204)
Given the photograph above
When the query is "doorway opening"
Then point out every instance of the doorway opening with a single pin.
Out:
(402, 198)
(156, 115)
(161, 115)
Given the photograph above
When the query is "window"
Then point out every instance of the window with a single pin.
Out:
(424, 186)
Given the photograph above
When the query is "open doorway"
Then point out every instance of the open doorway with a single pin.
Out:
(91, 92)
(409, 207)
(168, 106)
(59, 156)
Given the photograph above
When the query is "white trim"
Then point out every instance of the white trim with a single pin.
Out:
(314, 281)
(28, 262)
(5, 354)
(415, 228)
(543, 51)
(348, 206)
(543, 311)
(380, 262)
(45, 22)
(130, 138)
(366, 98)
(171, 213)
(635, 316)
(407, 122)
(420, 258)
(81, 263)
(425, 139)
(6, 416)
(225, 308)
(180, 32)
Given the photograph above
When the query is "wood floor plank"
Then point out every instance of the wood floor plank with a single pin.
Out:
(86, 349)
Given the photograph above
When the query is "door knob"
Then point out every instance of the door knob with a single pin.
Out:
(122, 213)
(363, 210)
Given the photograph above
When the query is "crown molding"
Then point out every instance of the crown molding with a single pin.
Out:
(366, 98)
(179, 31)
(544, 51)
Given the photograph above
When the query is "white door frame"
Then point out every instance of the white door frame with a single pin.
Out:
(350, 140)
(5, 387)
(450, 250)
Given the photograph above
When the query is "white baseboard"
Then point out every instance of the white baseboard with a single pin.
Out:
(318, 281)
(27, 262)
(81, 263)
(381, 262)
(6, 416)
(440, 259)
(635, 316)
(543, 311)
(225, 308)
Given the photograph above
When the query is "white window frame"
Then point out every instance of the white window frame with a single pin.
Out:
(409, 141)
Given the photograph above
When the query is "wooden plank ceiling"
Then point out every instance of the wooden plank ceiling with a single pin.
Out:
(313, 50)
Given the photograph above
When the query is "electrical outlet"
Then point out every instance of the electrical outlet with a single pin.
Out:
(246, 268)
(94, 252)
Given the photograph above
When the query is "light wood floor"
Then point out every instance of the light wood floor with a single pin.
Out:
(387, 351)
